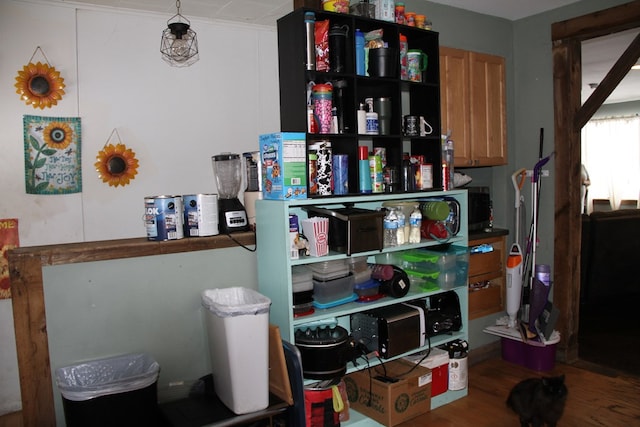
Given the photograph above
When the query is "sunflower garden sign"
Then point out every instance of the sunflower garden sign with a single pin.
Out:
(52, 161)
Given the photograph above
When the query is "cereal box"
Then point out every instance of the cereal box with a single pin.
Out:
(284, 166)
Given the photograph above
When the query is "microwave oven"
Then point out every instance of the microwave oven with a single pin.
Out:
(480, 211)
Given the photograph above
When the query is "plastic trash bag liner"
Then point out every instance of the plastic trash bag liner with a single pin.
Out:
(235, 301)
(103, 377)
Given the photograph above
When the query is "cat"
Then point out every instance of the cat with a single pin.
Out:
(539, 401)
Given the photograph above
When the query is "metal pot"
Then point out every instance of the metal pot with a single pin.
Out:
(325, 351)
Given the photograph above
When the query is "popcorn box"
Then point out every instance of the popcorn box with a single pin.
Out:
(284, 166)
(316, 229)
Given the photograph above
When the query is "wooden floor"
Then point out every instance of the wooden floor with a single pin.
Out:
(597, 397)
(594, 399)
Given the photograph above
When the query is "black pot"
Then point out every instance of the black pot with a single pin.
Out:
(325, 352)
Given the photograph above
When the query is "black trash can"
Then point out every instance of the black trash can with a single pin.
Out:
(116, 391)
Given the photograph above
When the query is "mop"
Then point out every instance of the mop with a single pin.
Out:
(514, 260)
(540, 281)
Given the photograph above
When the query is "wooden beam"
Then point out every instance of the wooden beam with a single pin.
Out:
(599, 23)
(566, 84)
(608, 84)
(29, 316)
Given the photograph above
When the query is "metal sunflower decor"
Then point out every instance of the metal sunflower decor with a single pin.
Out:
(117, 164)
(39, 85)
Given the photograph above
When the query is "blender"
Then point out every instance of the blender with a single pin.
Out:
(227, 168)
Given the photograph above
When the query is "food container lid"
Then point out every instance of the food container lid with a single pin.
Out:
(371, 283)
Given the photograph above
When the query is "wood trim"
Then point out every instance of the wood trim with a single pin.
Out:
(608, 84)
(598, 24)
(27, 288)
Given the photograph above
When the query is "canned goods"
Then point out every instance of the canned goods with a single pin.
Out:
(200, 215)
(163, 217)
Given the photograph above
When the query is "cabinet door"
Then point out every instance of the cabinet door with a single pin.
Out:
(454, 102)
(488, 115)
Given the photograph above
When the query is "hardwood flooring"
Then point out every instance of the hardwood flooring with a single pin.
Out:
(595, 398)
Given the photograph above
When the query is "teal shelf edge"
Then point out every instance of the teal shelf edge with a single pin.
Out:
(356, 307)
(339, 255)
(374, 197)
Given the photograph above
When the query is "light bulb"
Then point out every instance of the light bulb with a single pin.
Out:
(180, 50)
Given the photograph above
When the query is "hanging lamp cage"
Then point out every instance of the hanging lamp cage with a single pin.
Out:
(179, 44)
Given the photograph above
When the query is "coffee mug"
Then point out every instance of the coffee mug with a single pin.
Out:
(425, 127)
(410, 125)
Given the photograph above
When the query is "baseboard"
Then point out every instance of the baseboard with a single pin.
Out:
(488, 351)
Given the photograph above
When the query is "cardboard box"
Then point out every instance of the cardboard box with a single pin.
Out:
(284, 165)
(390, 403)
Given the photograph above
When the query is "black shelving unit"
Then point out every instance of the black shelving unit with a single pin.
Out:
(407, 97)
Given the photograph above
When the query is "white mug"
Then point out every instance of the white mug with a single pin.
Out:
(425, 127)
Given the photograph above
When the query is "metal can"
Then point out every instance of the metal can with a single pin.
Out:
(163, 217)
(200, 215)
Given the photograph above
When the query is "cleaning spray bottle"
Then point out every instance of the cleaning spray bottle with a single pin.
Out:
(514, 283)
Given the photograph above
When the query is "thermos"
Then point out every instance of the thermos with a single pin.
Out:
(364, 175)
(309, 24)
(360, 42)
(337, 48)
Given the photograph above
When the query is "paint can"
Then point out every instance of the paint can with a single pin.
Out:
(200, 215)
(163, 217)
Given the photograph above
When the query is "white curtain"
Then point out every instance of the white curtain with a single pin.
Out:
(611, 156)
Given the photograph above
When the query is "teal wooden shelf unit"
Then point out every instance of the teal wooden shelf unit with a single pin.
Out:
(275, 277)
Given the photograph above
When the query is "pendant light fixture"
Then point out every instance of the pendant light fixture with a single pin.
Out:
(179, 46)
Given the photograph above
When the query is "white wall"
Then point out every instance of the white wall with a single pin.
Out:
(174, 119)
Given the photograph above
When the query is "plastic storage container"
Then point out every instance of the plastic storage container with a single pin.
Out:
(329, 291)
(530, 356)
(329, 270)
(446, 268)
(120, 390)
(237, 322)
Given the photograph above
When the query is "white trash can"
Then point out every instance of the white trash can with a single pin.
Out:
(237, 321)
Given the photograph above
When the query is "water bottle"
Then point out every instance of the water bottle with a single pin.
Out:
(360, 66)
(400, 235)
(415, 222)
(390, 227)
(309, 24)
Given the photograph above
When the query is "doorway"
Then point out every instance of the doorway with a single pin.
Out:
(569, 117)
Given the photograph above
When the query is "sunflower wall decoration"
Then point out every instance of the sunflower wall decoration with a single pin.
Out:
(52, 159)
(39, 85)
(117, 164)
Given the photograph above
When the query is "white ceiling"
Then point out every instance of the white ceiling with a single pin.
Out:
(598, 55)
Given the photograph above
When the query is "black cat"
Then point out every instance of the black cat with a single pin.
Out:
(538, 401)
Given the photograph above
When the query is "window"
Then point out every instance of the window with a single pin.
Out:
(611, 157)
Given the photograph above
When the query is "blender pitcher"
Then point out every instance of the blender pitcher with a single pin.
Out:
(227, 168)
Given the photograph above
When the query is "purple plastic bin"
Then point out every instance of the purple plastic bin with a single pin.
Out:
(530, 356)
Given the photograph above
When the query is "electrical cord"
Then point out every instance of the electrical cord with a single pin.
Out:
(241, 244)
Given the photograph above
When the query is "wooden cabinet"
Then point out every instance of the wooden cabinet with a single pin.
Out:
(487, 277)
(473, 106)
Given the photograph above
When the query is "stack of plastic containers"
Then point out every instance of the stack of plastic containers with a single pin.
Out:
(365, 287)
(302, 287)
(332, 283)
(432, 269)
